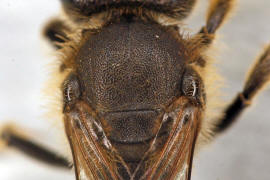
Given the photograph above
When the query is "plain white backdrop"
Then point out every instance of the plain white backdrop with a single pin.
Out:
(241, 153)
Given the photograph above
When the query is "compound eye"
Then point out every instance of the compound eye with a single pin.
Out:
(78, 3)
(71, 91)
(84, 7)
(190, 86)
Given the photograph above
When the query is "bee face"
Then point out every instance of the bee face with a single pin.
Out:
(129, 89)
(219, 161)
(118, 73)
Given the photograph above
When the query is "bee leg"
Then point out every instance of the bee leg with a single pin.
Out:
(56, 31)
(258, 78)
(217, 13)
(13, 139)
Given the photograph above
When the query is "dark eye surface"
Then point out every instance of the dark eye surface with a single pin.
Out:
(174, 8)
(190, 86)
(71, 90)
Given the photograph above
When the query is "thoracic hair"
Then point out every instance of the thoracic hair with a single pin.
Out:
(81, 27)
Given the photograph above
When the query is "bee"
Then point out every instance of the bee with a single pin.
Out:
(135, 91)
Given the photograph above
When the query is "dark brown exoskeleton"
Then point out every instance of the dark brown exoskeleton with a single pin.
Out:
(135, 92)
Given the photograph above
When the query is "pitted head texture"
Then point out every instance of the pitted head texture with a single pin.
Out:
(131, 66)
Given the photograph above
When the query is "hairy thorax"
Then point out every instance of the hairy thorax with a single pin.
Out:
(131, 71)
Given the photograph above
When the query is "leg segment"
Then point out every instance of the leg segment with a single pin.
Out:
(56, 31)
(217, 13)
(15, 140)
(258, 77)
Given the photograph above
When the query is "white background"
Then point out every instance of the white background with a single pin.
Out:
(242, 153)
